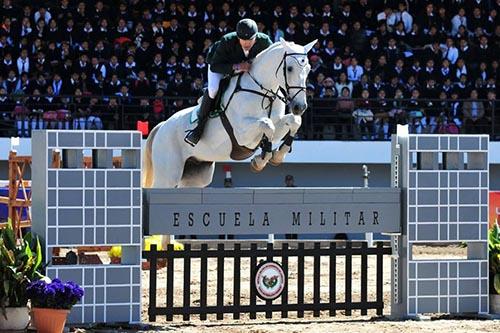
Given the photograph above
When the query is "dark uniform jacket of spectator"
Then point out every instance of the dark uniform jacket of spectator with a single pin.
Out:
(227, 51)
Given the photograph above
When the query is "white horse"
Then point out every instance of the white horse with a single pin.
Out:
(256, 111)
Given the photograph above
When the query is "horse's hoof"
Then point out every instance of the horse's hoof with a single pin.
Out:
(254, 167)
(273, 163)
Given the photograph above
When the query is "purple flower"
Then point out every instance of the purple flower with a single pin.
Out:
(50, 291)
(56, 295)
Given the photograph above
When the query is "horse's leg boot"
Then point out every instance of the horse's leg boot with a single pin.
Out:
(206, 107)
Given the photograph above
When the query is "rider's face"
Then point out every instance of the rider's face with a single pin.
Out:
(247, 44)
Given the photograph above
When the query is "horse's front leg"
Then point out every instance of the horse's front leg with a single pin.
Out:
(286, 129)
(259, 162)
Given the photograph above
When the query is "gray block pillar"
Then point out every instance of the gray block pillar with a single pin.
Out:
(441, 204)
(99, 206)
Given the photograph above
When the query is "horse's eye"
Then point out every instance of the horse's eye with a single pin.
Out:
(289, 68)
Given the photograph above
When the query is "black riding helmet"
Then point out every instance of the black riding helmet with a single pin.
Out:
(246, 29)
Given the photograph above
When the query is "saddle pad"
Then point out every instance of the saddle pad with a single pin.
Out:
(194, 114)
(217, 109)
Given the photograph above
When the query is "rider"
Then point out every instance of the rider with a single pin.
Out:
(230, 55)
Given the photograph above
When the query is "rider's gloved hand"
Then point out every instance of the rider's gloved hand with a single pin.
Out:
(242, 67)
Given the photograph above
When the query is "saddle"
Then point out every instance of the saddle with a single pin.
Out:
(238, 152)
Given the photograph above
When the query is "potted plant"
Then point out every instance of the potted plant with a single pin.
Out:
(494, 249)
(20, 264)
(52, 302)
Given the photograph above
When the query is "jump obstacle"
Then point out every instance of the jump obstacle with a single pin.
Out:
(438, 195)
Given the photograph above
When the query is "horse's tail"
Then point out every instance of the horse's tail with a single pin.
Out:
(147, 162)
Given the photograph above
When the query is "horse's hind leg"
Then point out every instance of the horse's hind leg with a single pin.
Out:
(167, 170)
(167, 173)
(199, 175)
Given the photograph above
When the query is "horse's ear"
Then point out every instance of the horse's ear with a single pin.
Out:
(309, 46)
(283, 42)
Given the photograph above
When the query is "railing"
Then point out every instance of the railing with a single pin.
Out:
(325, 119)
(244, 259)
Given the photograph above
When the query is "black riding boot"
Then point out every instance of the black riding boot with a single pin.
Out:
(206, 107)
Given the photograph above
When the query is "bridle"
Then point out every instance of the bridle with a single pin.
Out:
(269, 94)
(287, 86)
(286, 92)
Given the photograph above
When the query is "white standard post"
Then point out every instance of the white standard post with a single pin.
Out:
(366, 173)
(270, 238)
(14, 142)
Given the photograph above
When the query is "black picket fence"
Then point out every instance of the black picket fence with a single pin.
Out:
(225, 254)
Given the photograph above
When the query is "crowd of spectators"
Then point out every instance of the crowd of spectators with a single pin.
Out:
(377, 63)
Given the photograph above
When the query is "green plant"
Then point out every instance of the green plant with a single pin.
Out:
(20, 264)
(494, 247)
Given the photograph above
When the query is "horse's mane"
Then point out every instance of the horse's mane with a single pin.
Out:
(270, 48)
(274, 46)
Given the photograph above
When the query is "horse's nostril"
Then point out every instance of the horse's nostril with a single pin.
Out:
(296, 107)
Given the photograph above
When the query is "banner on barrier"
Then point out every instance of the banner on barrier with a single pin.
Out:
(494, 207)
(271, 211)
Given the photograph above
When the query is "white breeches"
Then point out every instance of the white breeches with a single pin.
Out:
(213, 82)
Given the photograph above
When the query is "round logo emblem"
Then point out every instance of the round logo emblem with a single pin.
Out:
(269, 280)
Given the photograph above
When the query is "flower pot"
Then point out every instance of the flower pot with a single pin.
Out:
(116, 260)
(160, 263)
(495, 303)
(50, 320)
(17, 319)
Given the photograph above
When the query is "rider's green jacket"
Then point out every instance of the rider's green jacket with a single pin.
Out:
(227, 51)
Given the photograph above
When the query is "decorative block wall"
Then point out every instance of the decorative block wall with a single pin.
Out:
(445, 200)
(99, 206)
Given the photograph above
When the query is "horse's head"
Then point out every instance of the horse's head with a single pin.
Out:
(294, 68)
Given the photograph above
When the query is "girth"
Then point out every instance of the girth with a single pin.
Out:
(238, 152)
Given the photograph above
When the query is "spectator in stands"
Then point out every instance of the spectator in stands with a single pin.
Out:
(98, 48)
(141, 86)
(35, 105)
(94, 121)
(473, 110)
(492, 114)
(450, 52)
(363, 116)
(328, 84)
(397, 114)
(344, 109)
(158, 113)
(6, 105)
(458, 20)
(463, 87)
(80, 112)
(381, 116)
(455, 114)
(289, 181)
(115, 113)
(354, 71)
(415, 112)
(343, 82)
